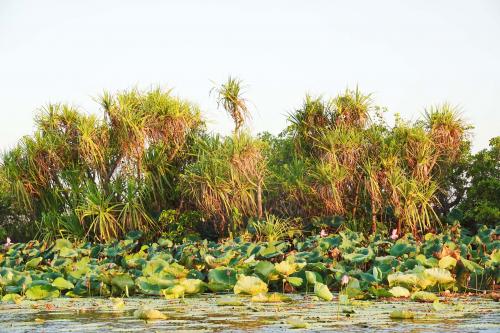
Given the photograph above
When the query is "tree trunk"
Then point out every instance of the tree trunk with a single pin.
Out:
(259, 199)
(374, 218)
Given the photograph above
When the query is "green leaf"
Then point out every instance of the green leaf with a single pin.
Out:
(33, 263)
(424, 296)
(295, 281)
(250, 285)
(62, 284)
(439, 275)
(264, 269)
(39, 292)
(402, 314)
(322, 291)
(221, 279)
(399, 292)
(447, 262)
(123, 281)
(148, 314)
(310, 277)
(66, 252)
(13, 298)
(192, 286)
(62, 243)
(471, 266)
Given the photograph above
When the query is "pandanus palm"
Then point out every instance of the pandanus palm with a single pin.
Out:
(230, 97)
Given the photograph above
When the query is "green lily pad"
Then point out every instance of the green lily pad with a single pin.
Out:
(402, 314)
(447, 262)
(250, 285)
(424, 296)
(221, 279)
(62, 284)
(33, 263)
(322, 291)
(399, 292)
(148, 314)
(123, 282)
(39, 292)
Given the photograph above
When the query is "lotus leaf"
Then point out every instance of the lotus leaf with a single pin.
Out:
(123, 281)
(401, 248)
(66, 252)
(176, 270)
(221, 279)
(62, 284)
(272, 298)
(62, 243)
(360, 255)
(33, 263)
(192, 286)
(79, 268)
(265, 270)
(310, 277)
(424, 296)
(471, 266)
(295, 281)
(250, 285)
(14, 298)
(148, 314)
(439, 275)
(404, 279)
(322, 291)
(38, 292)
(447, 262)
(402, 314)
(155, 267)
(176, 291)
(399, 292)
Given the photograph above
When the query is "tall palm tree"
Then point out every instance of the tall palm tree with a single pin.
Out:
(230, 97)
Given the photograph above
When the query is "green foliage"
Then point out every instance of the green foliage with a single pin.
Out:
(41, 270)
(272, 229)
(82, 175)
(148, 165)
(482, 202)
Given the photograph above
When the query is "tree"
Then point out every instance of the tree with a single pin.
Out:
(482, 200)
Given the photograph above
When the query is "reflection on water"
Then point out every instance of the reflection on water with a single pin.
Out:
(201, 314)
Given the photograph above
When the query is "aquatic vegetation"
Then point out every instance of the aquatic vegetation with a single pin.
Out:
(402, 314)
(149, 314)
(363, 268)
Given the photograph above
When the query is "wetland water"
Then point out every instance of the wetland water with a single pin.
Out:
(202, 314)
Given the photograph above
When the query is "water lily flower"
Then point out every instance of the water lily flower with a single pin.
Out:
(323, 233)
(394, 234)
(345, 280)
(7, 243)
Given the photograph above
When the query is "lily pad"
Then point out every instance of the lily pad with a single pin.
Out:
(399, 292)
(424, 296)
(62, 284)
(149, 314)
(250, 285)
(39, 292)
(402, 314)
(322, 291)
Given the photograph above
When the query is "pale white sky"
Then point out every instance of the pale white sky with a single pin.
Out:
(410, 54)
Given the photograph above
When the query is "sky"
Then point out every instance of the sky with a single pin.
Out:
(409, 54)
